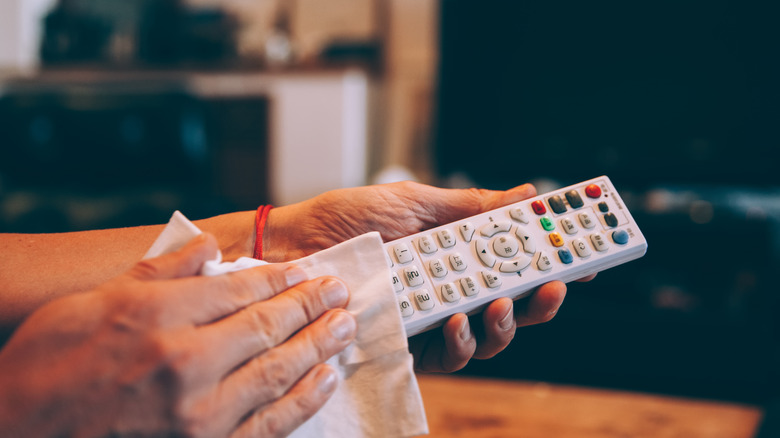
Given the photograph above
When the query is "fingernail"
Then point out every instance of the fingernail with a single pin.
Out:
(328, 383)
(342, 326)
(294, 275)
(465, 331)
(334, 293)
(507, 321)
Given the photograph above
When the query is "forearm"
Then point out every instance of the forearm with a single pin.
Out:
(36, 268)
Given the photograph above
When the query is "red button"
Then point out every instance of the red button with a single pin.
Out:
(538, 207)
(593, 191)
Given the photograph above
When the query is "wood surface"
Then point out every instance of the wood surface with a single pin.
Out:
(472, 407)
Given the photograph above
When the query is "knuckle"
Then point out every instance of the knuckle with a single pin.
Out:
(276, 375)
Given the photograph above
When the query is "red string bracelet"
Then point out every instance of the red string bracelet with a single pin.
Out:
(260, 218)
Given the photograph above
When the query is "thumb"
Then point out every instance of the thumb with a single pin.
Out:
(455, 204)
(184, 262)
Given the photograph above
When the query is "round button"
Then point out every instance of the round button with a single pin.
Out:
(620, 237)
(506, 246)
(593, 191)
(538, 207)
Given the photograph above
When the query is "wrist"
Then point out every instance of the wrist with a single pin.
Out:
(235, 233)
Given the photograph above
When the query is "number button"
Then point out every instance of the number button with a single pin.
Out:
(491, 280)
(402, 253)
(426, 245)
(423, 299)
(413, 277)
(397, 285)
(437, 268)
(449, 293)
(446, 238)
(469, 286)
(457, 262)
(406, 306)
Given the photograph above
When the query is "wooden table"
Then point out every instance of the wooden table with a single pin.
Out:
(470, 407)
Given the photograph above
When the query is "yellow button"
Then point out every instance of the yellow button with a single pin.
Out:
(556, 239)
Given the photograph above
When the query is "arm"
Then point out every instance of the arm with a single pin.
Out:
(37, 268)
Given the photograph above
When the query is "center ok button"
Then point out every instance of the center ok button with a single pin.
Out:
(506, 246)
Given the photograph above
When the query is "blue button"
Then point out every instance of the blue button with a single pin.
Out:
(565, 256)
(620, 237)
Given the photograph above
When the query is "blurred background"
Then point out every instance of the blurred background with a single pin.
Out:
(116, 113)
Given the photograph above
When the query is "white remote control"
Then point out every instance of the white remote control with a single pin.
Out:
(564, 235)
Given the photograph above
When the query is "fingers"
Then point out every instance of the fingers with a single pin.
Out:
(186, 261)
(268, 378)
(199, 300)
(446, 351)
(498, 328)
(263, 326)
(542, 305)
(300, 403)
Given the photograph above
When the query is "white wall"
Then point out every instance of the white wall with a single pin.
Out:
(20, 32)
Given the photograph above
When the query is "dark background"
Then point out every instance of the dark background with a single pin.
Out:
(678, 103)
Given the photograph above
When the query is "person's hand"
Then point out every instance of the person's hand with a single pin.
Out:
(162, 352)
(398, 210)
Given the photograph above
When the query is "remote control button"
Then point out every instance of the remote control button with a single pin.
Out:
(611, 219)
(515, 265)
(544, 263)
(574, 199)
(565, 256)
(528, 241)
(581, 248)
(599, 242)
(426, 245)
(423, 299)
(406, 306)
(556, 239)
(556, 204)
(603, 207)
(586, 220)
(402, 253)
(518, 214)
(491, 280)
(397, 285)
(620, 237)
(506, 246)
(469, 286)
(593, 191)
(437, 268)
(494, 228)
(538, 207)
(467, 231)
(449, 293)
(413, 277)
(484, 254)
(457, 262)
(446, 239)
(569, 226)
(547, 223)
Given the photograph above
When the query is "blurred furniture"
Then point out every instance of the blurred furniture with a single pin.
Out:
(472, 407)
(75, 141)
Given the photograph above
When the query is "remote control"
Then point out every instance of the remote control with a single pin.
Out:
(564, 235)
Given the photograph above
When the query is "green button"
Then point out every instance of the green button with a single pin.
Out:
(547, 224)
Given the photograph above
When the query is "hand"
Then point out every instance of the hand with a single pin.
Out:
(162, 352)
(398, 210)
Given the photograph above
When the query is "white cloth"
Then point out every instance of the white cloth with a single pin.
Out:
(378, 395)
